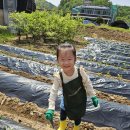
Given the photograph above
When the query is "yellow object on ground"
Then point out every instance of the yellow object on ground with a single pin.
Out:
(76, 127)
(62, 125)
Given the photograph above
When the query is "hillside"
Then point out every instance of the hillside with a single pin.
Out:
(107, 33)
(42, 4)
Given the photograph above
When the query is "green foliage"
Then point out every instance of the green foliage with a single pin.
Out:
(67, 6)
(123, 13)
(7, 128)
(5, 34)
(65, 29)
(1, 117)
(105, 26)
(90, 25)
(102, 3)
(46, 25)
(3, 29)
(42, 4)
(114, 28)
(99, 20)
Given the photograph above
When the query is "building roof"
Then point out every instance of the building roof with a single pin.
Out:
(95, 7)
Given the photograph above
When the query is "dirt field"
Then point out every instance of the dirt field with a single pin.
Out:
(30, 114)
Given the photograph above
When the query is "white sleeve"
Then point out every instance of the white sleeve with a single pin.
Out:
(87, 83)
(53, 93)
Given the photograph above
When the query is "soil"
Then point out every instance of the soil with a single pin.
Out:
(107, 34)
(29, 113)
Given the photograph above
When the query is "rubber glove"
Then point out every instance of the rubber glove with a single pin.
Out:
(95, 101)
(49, 114)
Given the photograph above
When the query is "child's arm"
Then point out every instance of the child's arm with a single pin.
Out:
(52, 98)
(87, 83)
(53, 95)
(89, 87)
(54, 92)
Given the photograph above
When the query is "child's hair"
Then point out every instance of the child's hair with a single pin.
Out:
(64, 46)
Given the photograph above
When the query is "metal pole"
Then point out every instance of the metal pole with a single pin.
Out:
(5, 11)
(8, 6)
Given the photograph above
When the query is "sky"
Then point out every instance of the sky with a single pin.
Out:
(121, 2)
(54, 2)
(118, 2)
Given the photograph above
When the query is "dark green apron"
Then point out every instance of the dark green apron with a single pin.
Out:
(74, 97)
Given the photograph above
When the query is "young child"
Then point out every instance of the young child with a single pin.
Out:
(76, 86)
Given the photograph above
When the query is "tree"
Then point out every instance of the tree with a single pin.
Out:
(42, 4)
(102, 2)
(123, 13)
(67, 5)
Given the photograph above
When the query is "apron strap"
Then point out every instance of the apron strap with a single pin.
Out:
(79, 75)
(61, 77)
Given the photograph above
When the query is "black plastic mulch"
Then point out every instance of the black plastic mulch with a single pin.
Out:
(110, 114)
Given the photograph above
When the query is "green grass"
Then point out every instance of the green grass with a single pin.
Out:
(5, 35)
(113, 28)
(90, 25)
(108, 27)
(1, 117)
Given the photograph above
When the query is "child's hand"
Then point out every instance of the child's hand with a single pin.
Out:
(95, 101)
(49, 114)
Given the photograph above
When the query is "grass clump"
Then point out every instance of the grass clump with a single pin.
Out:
(5, 34)
(113, 28)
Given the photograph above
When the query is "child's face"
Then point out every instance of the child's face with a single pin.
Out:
(66, 61)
